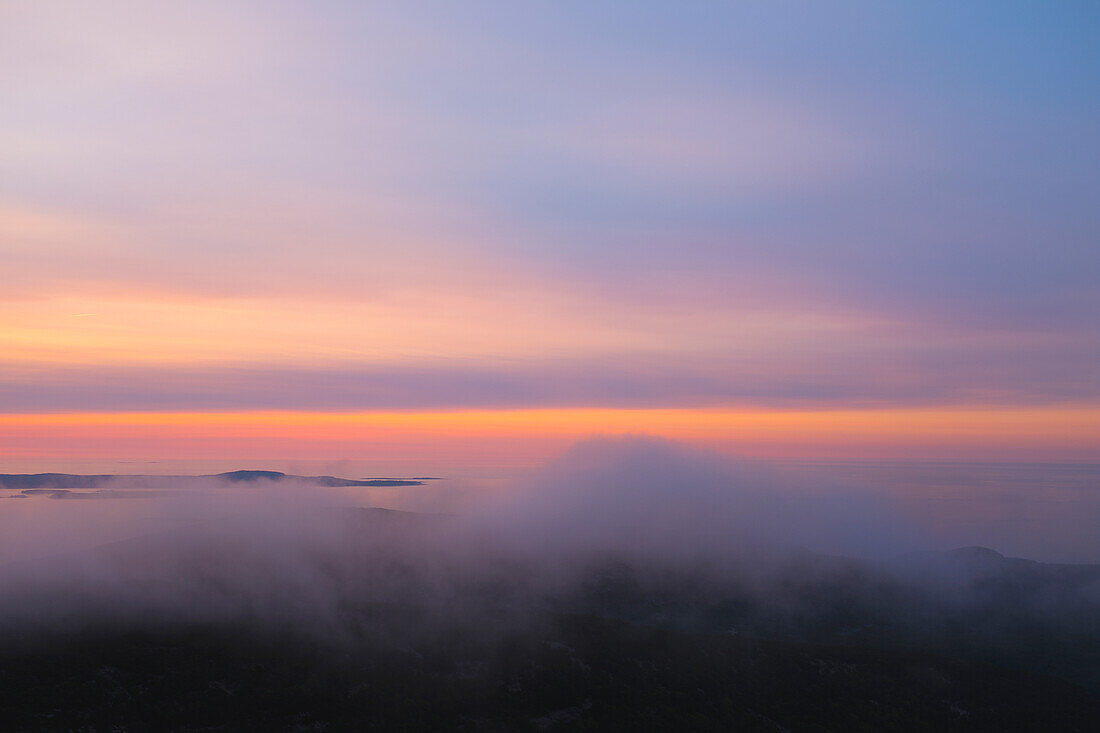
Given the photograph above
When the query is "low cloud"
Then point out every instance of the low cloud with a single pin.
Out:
(293, 550)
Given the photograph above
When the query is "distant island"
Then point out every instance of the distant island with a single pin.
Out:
(52, 482)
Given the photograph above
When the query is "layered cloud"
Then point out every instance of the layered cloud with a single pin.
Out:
(371, 207)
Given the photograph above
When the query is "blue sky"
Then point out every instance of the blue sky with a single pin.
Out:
(525, 205)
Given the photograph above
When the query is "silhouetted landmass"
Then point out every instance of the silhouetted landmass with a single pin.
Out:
(102, 493)
(249, 476)
(410, 478)
(53, 481)
(1016, 575)
(58, 481)
(575, 673)
(966, 641)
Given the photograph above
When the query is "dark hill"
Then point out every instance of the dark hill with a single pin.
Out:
(566, 673)
(396, 631)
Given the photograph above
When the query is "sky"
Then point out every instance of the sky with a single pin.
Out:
(478, 231)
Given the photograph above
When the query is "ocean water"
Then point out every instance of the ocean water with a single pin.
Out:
(1042, 511)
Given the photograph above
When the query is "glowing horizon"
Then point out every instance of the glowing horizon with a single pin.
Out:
(528, 437)
(524, 226)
